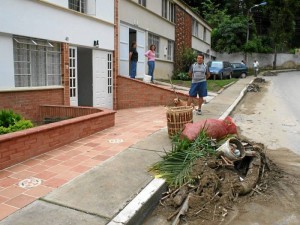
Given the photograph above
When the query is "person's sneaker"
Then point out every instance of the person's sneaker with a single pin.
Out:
(199, 112)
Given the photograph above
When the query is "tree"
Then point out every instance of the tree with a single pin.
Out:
(230, 36)
(282, 29)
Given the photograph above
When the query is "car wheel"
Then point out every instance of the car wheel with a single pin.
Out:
(243, 75)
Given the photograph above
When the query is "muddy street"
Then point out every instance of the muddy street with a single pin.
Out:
(269, 118)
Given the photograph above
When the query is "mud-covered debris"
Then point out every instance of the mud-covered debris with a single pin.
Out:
(259, 80)
(253, 88)
(269, 73)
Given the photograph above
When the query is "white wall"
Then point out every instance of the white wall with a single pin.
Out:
(6, 62)
(265, 60)
(102, 9)
(162, 69)
(134, 14)
(200, 45)
(39, 20)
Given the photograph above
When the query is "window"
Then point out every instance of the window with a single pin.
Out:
(195, 28)
(168, 10)
(170, 50)
(142, 2)
(154, 40)
(204, 34)
(36, 62)
(109, 73)
(78, 5)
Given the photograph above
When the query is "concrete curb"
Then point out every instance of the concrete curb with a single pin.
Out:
(137, 210)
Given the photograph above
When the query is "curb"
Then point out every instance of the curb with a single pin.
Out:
(140, 207)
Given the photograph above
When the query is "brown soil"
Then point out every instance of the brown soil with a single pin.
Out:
(215, 198)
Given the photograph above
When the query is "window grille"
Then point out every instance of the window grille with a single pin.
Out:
(109, 73)
(170, 50)
(204, 34)
(195, 28)
(78, 5)
(36, 62)
(154, 39)
(168, 10)
(142, 2)
(73, 71)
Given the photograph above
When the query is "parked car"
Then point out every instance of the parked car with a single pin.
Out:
(220, 69)
(239, 70)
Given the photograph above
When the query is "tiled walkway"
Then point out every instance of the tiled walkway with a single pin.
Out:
(61, 165)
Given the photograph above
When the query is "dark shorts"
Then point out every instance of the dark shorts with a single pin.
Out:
(199, 89)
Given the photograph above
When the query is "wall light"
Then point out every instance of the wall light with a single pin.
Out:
(96, 43)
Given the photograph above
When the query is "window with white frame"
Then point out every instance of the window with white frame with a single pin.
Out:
(170, 50)
(154, 40)
(168, 10)
(109, 73)
(36, 62)
(78, 5)
(142, 2)
(204, 34)
(195, 28)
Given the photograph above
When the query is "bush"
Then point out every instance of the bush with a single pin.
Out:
(11, 122)
(183, 63)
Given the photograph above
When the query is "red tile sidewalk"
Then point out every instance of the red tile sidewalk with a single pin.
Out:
(61, 165)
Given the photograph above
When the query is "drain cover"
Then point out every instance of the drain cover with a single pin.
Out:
(30, 182)
(115, 141)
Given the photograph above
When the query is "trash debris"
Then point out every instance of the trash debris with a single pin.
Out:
(216, 182)
(253, 88)
(214, 128)
(270, 73)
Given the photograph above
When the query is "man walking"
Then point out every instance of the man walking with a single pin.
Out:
(255, 67)
(199, 73)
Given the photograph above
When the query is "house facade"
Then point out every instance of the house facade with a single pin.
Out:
(169, 24)
(56, 52)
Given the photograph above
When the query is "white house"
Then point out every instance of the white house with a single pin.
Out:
(43, 42)
(169, 24)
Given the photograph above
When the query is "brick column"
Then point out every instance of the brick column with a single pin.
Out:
(183, 33)
(116, 55)
(65, 72)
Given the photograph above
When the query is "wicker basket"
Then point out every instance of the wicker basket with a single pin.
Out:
(177, 117)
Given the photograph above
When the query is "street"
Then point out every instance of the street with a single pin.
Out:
(273, 119)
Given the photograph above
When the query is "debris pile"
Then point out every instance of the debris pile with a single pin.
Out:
(207, 176)
(270, 73)
(253, 88)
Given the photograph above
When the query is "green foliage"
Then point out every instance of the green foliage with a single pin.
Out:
(8, 117)
(257, 44)
(212, 14)
(184, 61)
(176, 165)
(182, 76)
(11, 122)
(230, 35)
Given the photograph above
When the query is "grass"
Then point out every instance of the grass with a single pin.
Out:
(212, 85)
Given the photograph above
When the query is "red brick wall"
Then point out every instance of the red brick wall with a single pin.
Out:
(116, 55)
(135, 93)
(22, 145)
(65, 72)
(27, 103)
(183, 33)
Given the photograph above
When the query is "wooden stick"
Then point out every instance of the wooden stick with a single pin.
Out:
(207, 203)
(184, 208)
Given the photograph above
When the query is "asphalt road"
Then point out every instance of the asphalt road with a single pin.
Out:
(285, 88)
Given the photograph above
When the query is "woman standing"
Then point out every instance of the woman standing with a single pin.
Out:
(133, 58)
(150, 54)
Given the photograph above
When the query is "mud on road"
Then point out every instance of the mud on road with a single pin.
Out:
(275, 200)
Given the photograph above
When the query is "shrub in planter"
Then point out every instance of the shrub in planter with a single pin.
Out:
(11, 122)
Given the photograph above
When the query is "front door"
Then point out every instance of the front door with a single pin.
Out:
(102, 79)
(73, 76)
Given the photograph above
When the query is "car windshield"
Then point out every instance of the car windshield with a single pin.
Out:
(217, 64)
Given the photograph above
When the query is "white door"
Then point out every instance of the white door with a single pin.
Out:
(140, 40)
(73, 76)
(124, 50)
(102, 79)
